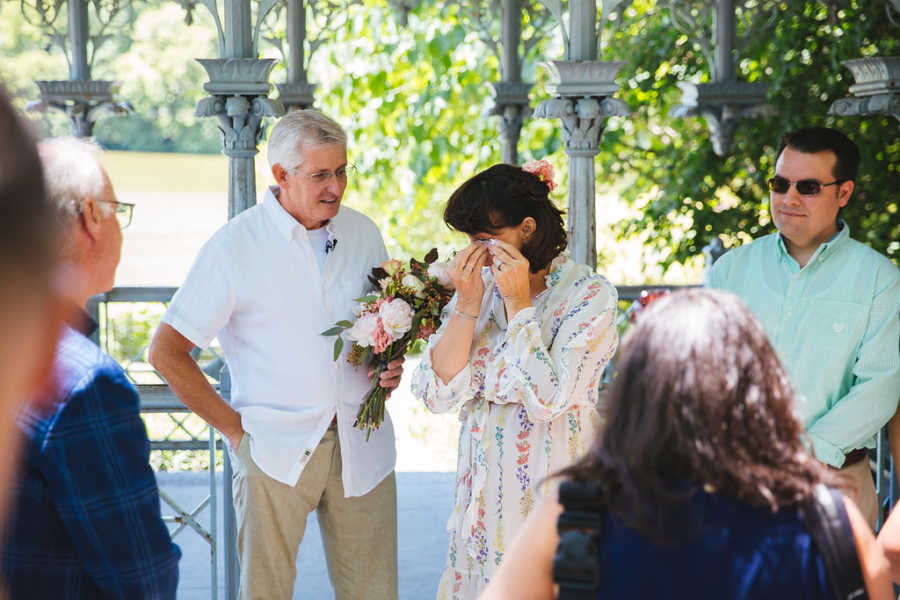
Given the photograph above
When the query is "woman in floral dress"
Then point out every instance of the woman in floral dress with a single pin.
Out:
(521, 356)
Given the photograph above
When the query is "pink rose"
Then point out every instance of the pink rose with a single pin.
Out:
(363, 331)
(542, 169)
(392, 266)
(396, 317)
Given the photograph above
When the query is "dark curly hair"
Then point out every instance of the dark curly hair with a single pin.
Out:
(699, 400)
(503, 196)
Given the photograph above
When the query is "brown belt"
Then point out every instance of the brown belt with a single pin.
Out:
(858, 455)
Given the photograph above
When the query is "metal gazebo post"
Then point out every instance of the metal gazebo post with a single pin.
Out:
(511, 93)
(582, 88)
(297, 91)
(82, 99)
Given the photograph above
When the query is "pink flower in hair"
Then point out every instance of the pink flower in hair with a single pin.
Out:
(543, 170)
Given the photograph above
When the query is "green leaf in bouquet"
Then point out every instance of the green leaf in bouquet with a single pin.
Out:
(338, 346)
(336, 330)
(366, 299)
(431, 256)
(416, 323)
(344, 324)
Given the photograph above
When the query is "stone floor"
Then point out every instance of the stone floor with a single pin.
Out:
(424, 502)
(426, 462)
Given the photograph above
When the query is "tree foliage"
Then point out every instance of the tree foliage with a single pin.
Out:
(413, 91)
(686, 194)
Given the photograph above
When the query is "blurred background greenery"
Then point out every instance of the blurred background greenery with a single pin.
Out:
(414, 95)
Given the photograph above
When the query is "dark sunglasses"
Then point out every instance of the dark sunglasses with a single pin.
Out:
(807, 187)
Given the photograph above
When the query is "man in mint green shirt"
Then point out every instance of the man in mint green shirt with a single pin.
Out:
(829, 304)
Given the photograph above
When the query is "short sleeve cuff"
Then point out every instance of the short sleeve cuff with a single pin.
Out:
(187, 329)
(827, 452)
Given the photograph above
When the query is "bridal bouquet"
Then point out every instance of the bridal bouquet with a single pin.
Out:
(407, 307)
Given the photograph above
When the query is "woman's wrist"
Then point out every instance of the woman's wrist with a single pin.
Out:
(514, 305)
(468, 307)
(464, 315)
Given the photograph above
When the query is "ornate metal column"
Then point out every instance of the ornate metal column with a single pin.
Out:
(296, 92)
(724, 101)
(877, 88)
(510, 93)
(582, 88)
(82, 99)
(238, 87)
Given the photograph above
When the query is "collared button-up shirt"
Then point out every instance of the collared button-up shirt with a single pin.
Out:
(835, 324)
(257, 286)
(87, 520)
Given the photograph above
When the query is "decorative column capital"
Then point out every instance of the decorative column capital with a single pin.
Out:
(84, 102)
(511, 104)
(877, 88)
(583, 101)
(723, 104)
(238, 88)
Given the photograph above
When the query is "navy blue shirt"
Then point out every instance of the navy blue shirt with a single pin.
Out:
(736, 551)
(87, 521)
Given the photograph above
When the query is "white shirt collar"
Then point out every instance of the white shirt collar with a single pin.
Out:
(286, 224)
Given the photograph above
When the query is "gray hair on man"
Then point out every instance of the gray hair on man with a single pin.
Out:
(72, 172)
(298, 129)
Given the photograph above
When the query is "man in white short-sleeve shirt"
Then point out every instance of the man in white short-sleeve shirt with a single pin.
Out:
(267, 284)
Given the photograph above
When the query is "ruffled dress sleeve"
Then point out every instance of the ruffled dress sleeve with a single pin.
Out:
(427, 386)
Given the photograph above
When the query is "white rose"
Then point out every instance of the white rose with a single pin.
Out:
(396, 317)
(438, 270)
(415, 284)
(363, 331)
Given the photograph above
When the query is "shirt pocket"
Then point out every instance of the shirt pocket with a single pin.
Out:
(834, 330)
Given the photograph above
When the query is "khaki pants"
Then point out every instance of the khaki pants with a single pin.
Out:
(359, 534)
(858, 485)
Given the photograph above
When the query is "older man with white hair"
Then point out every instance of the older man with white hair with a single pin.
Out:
(267, 284)
(87, 523)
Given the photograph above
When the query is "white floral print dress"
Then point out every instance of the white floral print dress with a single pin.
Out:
(527, 402)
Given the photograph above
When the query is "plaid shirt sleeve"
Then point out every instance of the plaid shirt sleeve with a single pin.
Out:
(105, 491)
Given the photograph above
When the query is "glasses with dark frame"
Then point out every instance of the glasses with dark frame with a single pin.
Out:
(324, 177)
(806, 187)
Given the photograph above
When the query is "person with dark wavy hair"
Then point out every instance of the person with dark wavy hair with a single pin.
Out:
(521, 355)
(701, 471)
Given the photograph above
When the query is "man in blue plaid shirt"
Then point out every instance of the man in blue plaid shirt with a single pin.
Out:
(87, 522)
